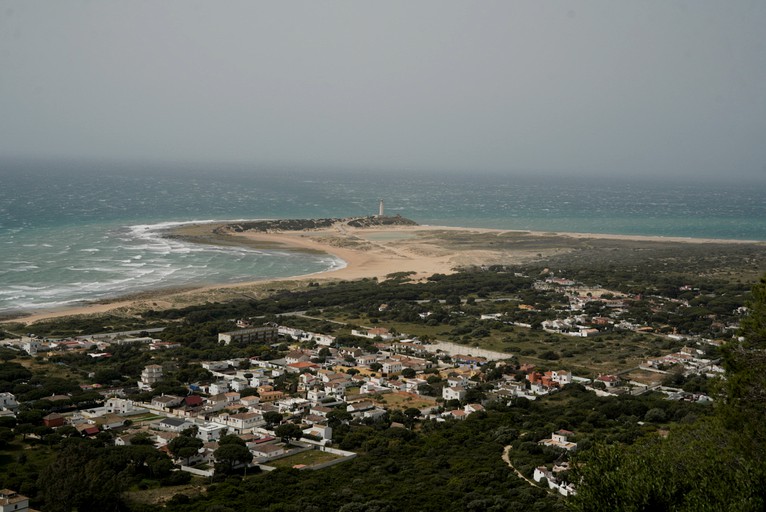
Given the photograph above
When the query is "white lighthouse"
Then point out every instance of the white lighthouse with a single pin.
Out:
(380, 208)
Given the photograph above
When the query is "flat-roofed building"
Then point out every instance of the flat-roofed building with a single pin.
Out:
(11, 501)
(244, 422)
(150, 375)
(255, 334)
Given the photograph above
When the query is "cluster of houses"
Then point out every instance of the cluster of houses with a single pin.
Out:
(553, 478)
(689, 360)
(324, 377)
(241, 393)
(96, 346)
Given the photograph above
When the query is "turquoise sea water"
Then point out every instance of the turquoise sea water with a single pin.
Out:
(72, 233)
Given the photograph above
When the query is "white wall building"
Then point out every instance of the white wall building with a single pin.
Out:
(8, 401)
(455, 393)
(210, 432)
(150, 376)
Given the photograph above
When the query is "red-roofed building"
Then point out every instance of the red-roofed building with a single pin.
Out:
(90, 431)
(609, 381)
(301, 367)
(457, 414)
(193, 401)
(53, 420)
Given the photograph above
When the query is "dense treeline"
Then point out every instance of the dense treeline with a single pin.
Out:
(365, 293)
(663, 268)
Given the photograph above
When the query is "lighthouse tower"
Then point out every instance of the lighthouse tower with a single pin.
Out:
(380, 208)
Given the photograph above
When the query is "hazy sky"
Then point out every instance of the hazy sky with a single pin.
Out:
(612, 87)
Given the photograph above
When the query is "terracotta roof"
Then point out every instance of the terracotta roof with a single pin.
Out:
(193, 400)
(305, 364)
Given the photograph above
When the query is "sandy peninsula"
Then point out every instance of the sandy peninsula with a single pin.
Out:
(371, 252)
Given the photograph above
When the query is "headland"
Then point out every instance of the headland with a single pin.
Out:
(371, 247)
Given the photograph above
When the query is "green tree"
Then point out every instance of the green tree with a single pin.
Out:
(288, 431)
(697, 468)
(106, 376)
(230, 455)
(745, 363)
(185, 447)
(272, 418)
(25, 429)
(81, 478)
(142, 439)
(231, 439)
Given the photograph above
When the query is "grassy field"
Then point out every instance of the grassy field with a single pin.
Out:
(61, 371)
(645, 377)
(144, 418)
(309, 458)
(405, 401)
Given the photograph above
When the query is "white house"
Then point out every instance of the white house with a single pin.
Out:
(315, 394)
(322, 339)
(249, 401)
(239, 383)
(214, 366)
(244, 422)
(266, 452)
(610, 381)
(553, 481)
(150, 375)
(122, 407)
(173, 424)
(453, 393)
(359, 407)
(210, 432)
(321, 431)
(8, 401)
(216, 388)
(560, 439)
(13, 501)
(563, 377)
(472, 408)
(391, 366)
(165, 402)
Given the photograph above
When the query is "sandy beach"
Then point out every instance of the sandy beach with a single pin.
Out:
(367, 253)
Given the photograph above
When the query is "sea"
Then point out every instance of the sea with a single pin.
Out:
(76, 232)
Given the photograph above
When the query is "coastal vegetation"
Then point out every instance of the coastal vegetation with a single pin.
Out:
(314, 224)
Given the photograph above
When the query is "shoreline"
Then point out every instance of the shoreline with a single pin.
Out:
(369, 252)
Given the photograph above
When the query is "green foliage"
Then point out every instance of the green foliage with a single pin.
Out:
(231, 439)
(272, 417)
(11, 373)
(697, 468)
(88, 477)
(184, 447)
(745, 363)
(229, 455)
(288, 431)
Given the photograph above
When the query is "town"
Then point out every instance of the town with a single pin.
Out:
(287, 396)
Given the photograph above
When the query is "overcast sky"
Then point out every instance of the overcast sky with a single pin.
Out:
(610, 87)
